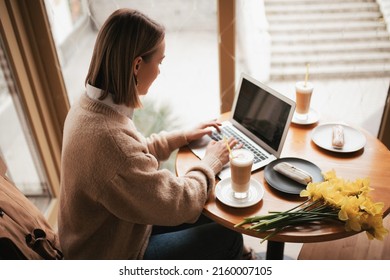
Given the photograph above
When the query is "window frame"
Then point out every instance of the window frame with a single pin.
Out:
(32, 55)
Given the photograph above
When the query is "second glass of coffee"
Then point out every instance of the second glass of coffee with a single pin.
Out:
(303, 92)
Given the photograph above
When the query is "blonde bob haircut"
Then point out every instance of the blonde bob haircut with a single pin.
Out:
(125, 35)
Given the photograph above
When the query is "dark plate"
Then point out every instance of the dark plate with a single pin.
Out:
(285, 184)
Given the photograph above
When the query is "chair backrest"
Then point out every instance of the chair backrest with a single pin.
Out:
(3, 167)
(384, 130)
(357, 247)
(24, 231)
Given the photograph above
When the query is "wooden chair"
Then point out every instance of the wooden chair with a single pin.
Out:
(24, 231)
(3, 167)
(384, 130)
(357, 247)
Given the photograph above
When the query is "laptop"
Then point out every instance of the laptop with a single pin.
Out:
(260, 119)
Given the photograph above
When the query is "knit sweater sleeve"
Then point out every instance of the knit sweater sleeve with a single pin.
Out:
(142, 194)
(161, 145)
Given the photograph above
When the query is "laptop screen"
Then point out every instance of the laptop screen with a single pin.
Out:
(262, 113)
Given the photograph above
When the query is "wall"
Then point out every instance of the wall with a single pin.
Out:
(385, 8)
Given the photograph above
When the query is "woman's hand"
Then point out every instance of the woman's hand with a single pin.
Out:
(202, 130)
(220, 148)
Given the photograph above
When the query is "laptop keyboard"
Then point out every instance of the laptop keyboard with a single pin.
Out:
(229, 132)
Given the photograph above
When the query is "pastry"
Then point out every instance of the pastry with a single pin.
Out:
(293, 172)
(338, 136)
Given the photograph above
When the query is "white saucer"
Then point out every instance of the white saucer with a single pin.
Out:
(313, 117)
(224, 193)
(354, 140)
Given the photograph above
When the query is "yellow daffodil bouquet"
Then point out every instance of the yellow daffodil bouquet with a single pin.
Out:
(334, 198)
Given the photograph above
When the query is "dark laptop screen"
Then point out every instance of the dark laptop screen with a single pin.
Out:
(262, 113)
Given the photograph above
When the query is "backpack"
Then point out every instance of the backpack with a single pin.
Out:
(24, 231)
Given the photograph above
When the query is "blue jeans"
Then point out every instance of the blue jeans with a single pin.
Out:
(203, 240)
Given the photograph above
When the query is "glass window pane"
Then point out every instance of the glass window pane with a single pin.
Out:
(346, 44)
(16, 144)
(342, 42)
(189, 71)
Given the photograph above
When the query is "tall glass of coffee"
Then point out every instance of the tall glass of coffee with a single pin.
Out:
(241, 162)
(303, 92)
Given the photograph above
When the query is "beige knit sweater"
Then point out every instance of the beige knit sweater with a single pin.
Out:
(112, 189)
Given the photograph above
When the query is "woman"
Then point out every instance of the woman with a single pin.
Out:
(111, 188)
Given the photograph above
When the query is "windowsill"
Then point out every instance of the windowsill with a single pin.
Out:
(41, 202)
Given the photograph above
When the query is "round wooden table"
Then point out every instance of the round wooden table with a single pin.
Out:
(372, 161)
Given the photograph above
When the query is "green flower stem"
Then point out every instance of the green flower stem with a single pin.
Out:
(282, 219)
(257, 218)
(277, 221)
(307, 211)
(320, 206)
(300, 215)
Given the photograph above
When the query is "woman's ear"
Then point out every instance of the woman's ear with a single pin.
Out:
(137, 64)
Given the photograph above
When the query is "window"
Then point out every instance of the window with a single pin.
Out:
(35, 102)
(265, 49)
(17, 147)
(189, 71)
